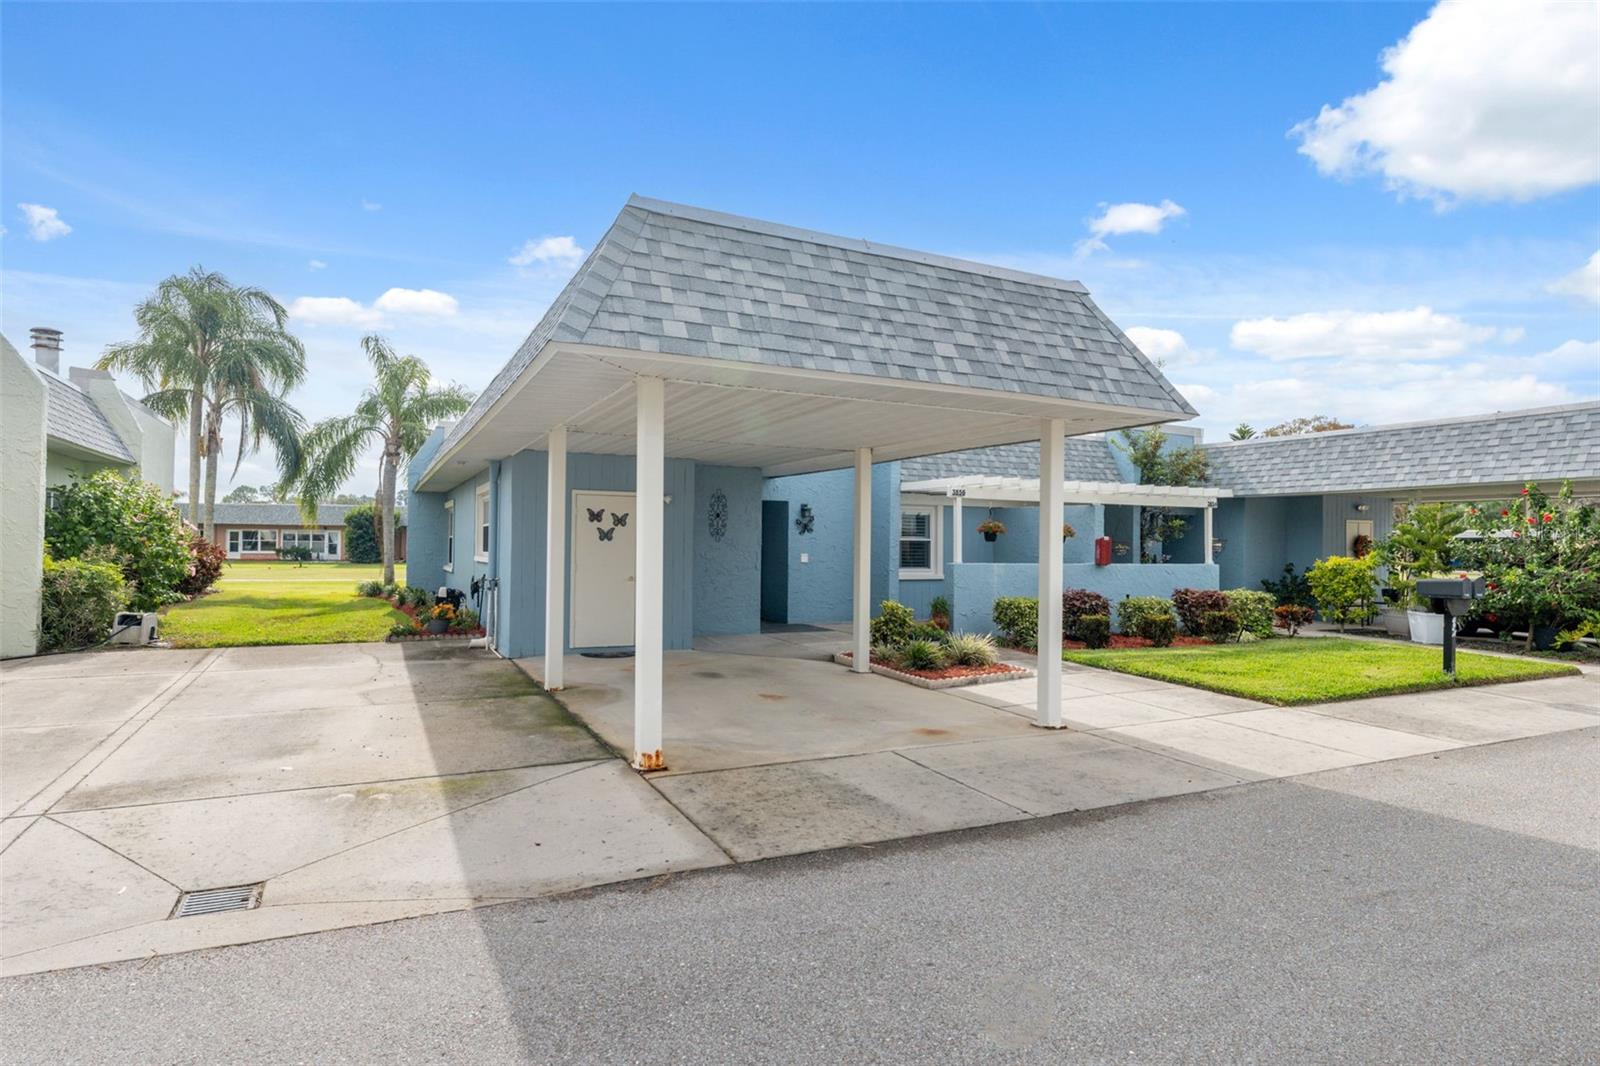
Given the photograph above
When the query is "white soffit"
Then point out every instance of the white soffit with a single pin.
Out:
(780, 420)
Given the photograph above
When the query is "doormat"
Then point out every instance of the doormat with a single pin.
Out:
(791, 627)
(614, 654)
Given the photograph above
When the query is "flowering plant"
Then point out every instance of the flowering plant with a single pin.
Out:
(991, 525)
(442, 611)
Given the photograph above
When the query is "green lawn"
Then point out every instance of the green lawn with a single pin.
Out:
(1313, 669)
(281, 603)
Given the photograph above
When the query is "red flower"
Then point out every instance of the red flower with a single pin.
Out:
(1548, 517)
(1491, 586)
(1504, 513)
(1524, 492)
(1531, 520)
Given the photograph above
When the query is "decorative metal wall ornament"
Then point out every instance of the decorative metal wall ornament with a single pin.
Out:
(607, 534)
(806, 520)
(619, 519)
(596, 516)
(717, 515)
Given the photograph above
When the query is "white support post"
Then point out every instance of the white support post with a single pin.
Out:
(861, 615)
(1209, 509)
(955, 531)
(1052, 446)
(649, 558)
(555, 561)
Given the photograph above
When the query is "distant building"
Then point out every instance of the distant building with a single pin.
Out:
(257, 530)
(55, 427)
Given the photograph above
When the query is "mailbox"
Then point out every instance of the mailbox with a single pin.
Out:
(1102, 551)
(1451, 597)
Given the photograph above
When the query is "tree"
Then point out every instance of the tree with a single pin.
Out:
(396, 412)
(1424, 543)
(247, 494)
(1314, 424)
(1159, 465)
(193, 325)
(1242, 431)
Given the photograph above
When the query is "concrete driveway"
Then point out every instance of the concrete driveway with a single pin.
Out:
(360, 783)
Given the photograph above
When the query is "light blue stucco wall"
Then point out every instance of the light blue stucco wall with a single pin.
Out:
(728, 579)
(1260, 534)
(820, 588)
(727, 572)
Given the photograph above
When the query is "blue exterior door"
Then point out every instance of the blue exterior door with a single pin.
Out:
(775, 561)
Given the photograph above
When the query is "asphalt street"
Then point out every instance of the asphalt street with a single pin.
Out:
(1441, 908)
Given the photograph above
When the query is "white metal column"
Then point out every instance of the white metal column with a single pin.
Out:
(649, 559)
(555, 560)
(1209, 509)
(955, 531)
(1052, 445)
(862, 600)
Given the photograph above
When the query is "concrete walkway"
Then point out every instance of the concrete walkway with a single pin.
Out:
(364, 783)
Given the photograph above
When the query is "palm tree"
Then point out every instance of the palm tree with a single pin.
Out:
(193, 323)
(249, 382)
(397, 412)
(1243, 431)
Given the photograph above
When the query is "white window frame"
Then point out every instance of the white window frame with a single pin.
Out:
(480, 530)
(935, 572)
(449, 536)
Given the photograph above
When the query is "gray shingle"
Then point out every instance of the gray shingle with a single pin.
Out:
(1087, 459)
(796, 298)
(1543, 444)
(72, 417)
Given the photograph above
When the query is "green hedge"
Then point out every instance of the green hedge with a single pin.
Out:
(133, 521)
(1017, 618)
(78, 601)
(1253, 608)
(1132, 612)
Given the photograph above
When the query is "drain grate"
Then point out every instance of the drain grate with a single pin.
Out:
(212, 900)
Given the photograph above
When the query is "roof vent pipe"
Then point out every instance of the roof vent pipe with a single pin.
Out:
(47, 348)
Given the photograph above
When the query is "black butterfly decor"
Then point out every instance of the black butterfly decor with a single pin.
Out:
(619, 519)
(607, 534)
(806, 520)
(596, 516)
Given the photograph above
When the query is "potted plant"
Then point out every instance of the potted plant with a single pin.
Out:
(1067, 532)
(440, 618)
(991, 528)
(1423, 543)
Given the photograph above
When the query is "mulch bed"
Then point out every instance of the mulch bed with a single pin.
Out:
(1120, 641)
(945, 673)
(422, 634)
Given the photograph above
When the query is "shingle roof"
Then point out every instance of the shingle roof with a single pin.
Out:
(685, 281)
(1541, 444)
(279, 514)
(71, 416)
(1087, 459)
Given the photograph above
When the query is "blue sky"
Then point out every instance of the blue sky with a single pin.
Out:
(1425, 249)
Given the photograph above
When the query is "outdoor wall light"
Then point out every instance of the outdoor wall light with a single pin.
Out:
(1362, 508)
(1217, 544)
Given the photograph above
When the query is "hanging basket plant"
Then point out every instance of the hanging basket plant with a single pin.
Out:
(1067, 532)
(991, 528)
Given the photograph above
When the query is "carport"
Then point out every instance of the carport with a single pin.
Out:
(690, 334)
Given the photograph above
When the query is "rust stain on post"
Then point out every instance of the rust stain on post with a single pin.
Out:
(649, 760)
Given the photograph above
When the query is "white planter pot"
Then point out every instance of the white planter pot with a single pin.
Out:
(1426, 627)
(1395, 622)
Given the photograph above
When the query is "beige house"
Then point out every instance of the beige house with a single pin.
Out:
(55, 426)
(255, 531)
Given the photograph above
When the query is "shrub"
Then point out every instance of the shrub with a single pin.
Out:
(1253, 608)
(1131, 610)
(389, 591)
(1220, 626)
(205, 564)
(884, 653)
(971, 649)
(893, 625)
(369, 588)
(1095, 630)
(466, 618)
(132, 519)
(922, 655)
(361, 543)
(1192, 605)
(1017, 617)
(1291, 616)
(1344, 588)
(413, 596)
(1075, 603)
(403, 629)
(929, 632)
(939, 610)
(78, 601)
(1158, 629)
(295, 553)
(1291, 589)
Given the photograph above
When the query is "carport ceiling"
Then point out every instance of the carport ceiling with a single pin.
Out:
(783, 421)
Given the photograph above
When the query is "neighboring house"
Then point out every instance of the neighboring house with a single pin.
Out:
(56, 427)
(257, 530)
(609, 489)
(1276, 501)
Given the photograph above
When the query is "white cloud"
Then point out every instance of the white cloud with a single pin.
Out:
(332, 311)
(1584, 283)
(44, 223)
(316, 264)
(562, 251)
(1117, 219)
(417, 302)
(1167, 347)
(1482, 100)
(368, 205)
(1418, 333)
(1198, 395)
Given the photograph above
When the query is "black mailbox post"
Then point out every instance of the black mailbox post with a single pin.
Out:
(1451, 597)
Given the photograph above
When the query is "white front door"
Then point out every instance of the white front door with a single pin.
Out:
(603, 525)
